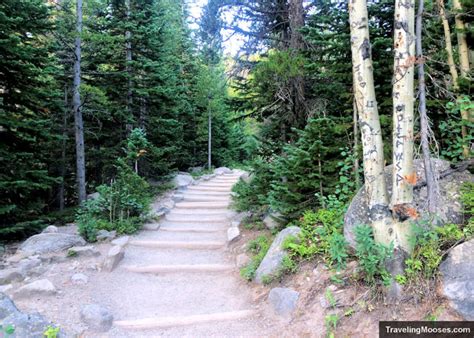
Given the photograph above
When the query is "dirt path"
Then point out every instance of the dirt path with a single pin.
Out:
(179, 280)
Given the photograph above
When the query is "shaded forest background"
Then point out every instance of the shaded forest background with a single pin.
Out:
(282, 107)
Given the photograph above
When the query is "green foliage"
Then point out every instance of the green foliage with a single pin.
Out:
(372, 256)
(321, 234)
(258, 247)
(8, 330)
(120, 205)
(331, 321)
(51, 332)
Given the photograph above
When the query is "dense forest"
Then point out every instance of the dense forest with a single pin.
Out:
(88, 89)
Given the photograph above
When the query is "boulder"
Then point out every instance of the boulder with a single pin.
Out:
(93, 196)
(114, 256)
(30, 266)
(121, 241)
(50, 229)
(83, 251)
(50, 242)
(26, 325)
(222, 170)
(273, 221)
(272, 262)
(449, 206)
(40, 287)
(177, 197)
(79, 279)
(246, 177)
(97, 317)
(182, 180)
(104, 235)
(283, 301)
(233, 233)
(151, 226)
(457, 282)
(8, 276)
(242, 260)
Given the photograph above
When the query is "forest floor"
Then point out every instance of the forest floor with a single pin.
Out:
(181, 281)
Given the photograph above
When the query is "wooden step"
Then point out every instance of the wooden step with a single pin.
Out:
(196, 268)
(211, 245)
(163, 322)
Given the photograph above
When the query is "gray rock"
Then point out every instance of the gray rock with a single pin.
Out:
(50, 229)
(182, 180)
(121, 241)
(272, 262)
(83, 251)
(7, 307)
(50, 242)
(5, 288)
(104, 235)
(449, 206)
(273, 221)
(40, 287)
(242, 260)
(246, 177)
(233, 233)
(168, 204)
(93, 196)
(458, 279)
(31, 266)
(151, 226)
(283, 300)
(8, 276)
(97, 317)
(222, 170)
(79, 278)
(114, 256)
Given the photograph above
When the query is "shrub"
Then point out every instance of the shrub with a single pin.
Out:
(372, 256)
(120, 205)
(321, 234)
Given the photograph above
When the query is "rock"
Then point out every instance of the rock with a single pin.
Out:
(177, 197)
(83, 251)
(273, 221)
(104, 235)
(272, 261)
(242, 260)
(40, 287)
(246, 177)
(93, 196)
(96, 317)
(457, 282)
(8, 276)
(5, 288)
(283, 300)
(151, 226)
(50, 229)
(449, 206)
(79, 278)
(114, 256)
(168, 204)
(30, 266)
(26, 325)
(121, 241)
(182, 180)
(50, 242)
(233, 233)
(222, 170)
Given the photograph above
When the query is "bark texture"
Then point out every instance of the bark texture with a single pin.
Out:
(76, 101)
(404, 176)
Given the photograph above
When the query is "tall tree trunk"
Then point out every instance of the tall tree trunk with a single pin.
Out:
(453, 70)
(76, 101)
(209, 141)
(63, 150)
(296, 20)
(128, 66)
(355, 131)
(424, 122)
(404, 175)
(364, 92)
(464, 63)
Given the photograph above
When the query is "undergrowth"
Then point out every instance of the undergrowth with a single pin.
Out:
(258, 247)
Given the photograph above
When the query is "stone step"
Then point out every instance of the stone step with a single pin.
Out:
(198, 229)
(202, 205)
(205, 198)
(164, 322)
(181, 236)
(210, 189)
(200, 212)
(216, 184)
(176, 217)
(206, 193)
(208, 245)
(212, 225)
(186, 268)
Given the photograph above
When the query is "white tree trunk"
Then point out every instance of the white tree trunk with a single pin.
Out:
(404, 176)
(372, 143)
(128, 67)
(461, 36)
(76, 101)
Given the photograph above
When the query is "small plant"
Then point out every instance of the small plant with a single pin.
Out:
(7, 330)
(330, 322)
(372, 256)
(401, 279)
(51, 332)
(330, 297)
(258, 247)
